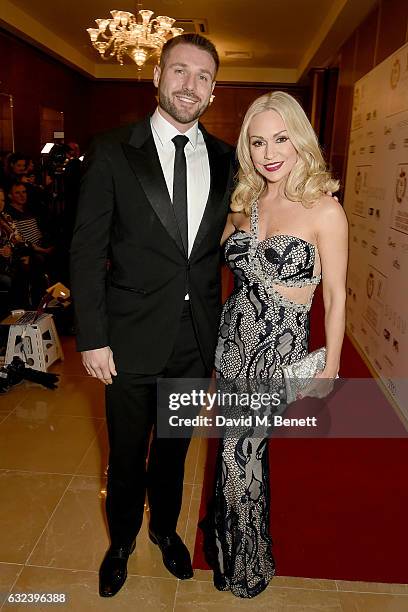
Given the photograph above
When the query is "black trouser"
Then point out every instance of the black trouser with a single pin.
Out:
(131, 415)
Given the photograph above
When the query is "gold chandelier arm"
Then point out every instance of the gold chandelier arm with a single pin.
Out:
(124, 34)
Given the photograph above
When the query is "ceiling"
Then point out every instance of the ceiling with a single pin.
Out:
(283, 37)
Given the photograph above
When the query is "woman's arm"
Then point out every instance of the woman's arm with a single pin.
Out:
(332, 242)
(228, 229)
(43, 250)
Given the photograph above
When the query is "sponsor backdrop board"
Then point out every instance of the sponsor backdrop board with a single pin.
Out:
(376, 202)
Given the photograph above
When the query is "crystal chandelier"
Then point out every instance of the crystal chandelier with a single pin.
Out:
(125, 34)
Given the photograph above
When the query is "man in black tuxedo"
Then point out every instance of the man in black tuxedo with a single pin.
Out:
(154, 200)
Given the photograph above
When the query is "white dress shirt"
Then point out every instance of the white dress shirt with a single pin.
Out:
(198, 168)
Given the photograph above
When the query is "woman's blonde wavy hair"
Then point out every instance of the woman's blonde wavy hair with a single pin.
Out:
(308, 180)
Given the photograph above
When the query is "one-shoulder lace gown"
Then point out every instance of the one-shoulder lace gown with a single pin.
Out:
(264, 324)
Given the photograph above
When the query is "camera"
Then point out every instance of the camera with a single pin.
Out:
(57, 159)
(16, 371)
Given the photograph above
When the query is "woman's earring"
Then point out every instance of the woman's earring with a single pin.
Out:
(212, 98)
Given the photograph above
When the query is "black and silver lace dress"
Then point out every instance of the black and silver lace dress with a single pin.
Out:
(264, 324)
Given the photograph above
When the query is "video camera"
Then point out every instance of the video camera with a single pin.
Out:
(57, 159)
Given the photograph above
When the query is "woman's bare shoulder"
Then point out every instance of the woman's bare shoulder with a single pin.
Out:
(327, 203)
(329, 214)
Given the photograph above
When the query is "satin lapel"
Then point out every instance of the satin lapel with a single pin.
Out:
(142, 156)
(219, 174)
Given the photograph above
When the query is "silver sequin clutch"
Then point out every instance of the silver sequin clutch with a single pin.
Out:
(299, 374)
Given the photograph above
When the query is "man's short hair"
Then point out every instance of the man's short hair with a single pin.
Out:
(16, 183)
(15, 157)
(201, 42)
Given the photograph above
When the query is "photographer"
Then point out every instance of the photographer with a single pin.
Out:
(64, 169)
(15, 167)
(30, 227)
(38, 245)
(5, 249)
(14, 262)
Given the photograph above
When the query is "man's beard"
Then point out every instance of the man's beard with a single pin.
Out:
(180, 115)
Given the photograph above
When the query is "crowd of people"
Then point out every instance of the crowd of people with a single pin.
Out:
(35, 227)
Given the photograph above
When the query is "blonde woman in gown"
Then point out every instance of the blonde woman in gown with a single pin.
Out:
(282, 236)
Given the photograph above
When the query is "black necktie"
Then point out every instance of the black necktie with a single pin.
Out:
(180, 188)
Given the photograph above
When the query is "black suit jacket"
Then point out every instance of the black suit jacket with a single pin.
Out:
(125, 215)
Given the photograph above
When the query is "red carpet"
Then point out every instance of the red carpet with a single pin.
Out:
(338, 506)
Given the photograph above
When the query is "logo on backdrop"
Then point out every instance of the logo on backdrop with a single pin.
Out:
(370, 285)
(356, 100)
(401, 186)
(357, 182)
(395, 73)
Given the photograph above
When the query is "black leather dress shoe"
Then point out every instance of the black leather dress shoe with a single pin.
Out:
(176, 557)
(113, 571)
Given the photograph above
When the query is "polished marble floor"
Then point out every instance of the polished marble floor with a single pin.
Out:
(53, 455)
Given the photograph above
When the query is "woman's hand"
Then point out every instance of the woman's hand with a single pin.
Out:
(5, 251)
(320, 386)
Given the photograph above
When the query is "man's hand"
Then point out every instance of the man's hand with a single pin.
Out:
(42, 250)
(99, 364)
